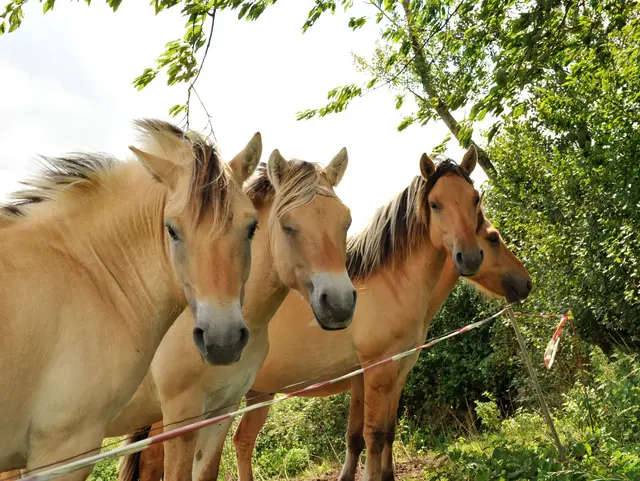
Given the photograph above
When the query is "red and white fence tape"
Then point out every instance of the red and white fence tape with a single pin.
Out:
(160, 438)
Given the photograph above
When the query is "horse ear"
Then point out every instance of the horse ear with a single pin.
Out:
(337, 166)
(277, 168)
(246, 161)
(427, 167)
(163, 170)
(469, 160)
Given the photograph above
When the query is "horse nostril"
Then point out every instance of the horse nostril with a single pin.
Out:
(198, 337)
(355, 296)
(459, 257)
(481, 255)
(324, 299)
(244, 336)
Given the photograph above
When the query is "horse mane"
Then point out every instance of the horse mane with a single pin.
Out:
(300, 185)
(398, 227)
(73, 179)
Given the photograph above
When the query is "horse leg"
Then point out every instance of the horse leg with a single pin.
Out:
(378, 404)
(206, 461)
(387, 453)
(355, 438)
(146, 465)
(244, 439)
(178, 452)
(55, 446)
(151, 463)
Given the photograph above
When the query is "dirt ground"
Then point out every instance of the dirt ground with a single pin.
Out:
(405, 470)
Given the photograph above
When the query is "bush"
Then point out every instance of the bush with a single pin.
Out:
(451, 377)
(300, 432)
(598, 428)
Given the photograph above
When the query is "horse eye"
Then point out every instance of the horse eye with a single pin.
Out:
(435, 205)
(493, 239)
(289, 229)
(172, 233)
(252, 230)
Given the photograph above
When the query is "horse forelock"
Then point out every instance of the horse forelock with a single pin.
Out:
(211, 180)
(300, 185)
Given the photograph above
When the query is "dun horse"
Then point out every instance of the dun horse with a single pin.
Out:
(98, 259)
(405, 265)
(403, 270)
(302, 246)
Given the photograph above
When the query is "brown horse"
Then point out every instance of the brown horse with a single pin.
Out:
(98, 259)
(301, 247)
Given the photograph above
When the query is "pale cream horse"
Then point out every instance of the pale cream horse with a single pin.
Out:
(301, 246)
(98, 259)
(403, 278)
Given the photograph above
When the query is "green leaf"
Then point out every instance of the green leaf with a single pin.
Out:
(145, 78)
(399, 101)
(356, 23)
(519, 110)
(48, 5)
(306, 115)
(442, 146)
(114, 4)
(177, 110)
(406, 122)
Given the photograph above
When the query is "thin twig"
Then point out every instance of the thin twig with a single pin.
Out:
(212, 14)
(206, 113)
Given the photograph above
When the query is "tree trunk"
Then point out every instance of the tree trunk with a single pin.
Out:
(420, 64)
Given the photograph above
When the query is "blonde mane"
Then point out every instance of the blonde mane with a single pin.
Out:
(398, 227)
(300, 185)
(67, 181)
(71, 181)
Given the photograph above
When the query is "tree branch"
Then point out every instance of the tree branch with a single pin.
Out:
(441, 108)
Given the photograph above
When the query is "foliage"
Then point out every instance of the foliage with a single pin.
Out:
(300, 430)
(606, 447)
(106, 470)
(451, 377)
(573, 200)
(489, 56)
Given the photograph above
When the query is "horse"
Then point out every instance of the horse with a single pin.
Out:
(302, 249)
(403, 279)
(397, 263)
(99, 257)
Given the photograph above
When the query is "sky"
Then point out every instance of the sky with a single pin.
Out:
(66, 82)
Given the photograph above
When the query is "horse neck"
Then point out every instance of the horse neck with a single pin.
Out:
(127, 257)
(443, 289)
(264, 291)
(419, 284)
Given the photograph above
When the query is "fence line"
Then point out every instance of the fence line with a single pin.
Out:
(165, 436)
(160, 438)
